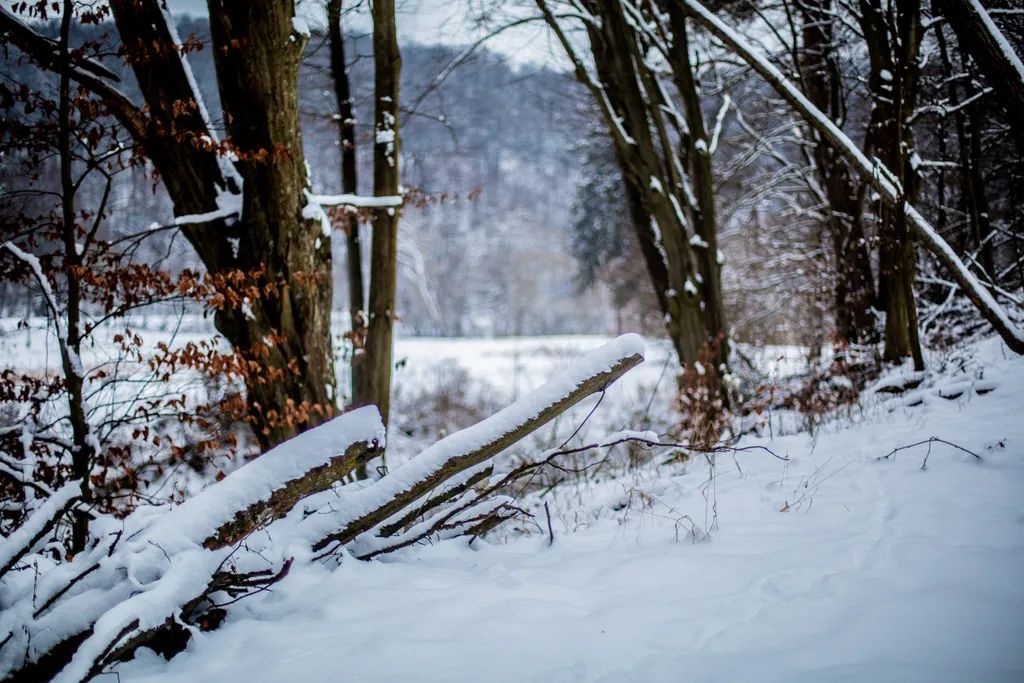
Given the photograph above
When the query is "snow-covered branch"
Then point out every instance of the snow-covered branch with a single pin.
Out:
(356, 201)
(364, 510)
(871, 171)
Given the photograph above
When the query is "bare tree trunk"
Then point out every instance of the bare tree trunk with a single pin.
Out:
(697, 151)
(387, 62)
(854, 288)
(82, 451)
(893, 39)
(257, 52)
(349, 185)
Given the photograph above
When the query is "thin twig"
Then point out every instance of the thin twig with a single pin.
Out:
(932, 440)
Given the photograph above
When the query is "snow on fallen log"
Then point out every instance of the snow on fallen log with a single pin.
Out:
(21, 542)
(870, 172)
(361, 511)
(267, 488)
(162, 563)
(158, 576)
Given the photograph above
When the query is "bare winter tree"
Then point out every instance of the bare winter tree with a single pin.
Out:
(387, 62)
(665, 156)
(885, 183)
(822, 81)
(243, 202)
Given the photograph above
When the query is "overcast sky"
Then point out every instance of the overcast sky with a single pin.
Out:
(434, 21)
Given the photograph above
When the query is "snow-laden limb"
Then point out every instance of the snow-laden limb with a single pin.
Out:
(871, 172)
(980, 37)
(21, 542)
(163, 562)
(89, 64)
(1000, 40)
(269, 486)
(466, 517)
(208, 217)
(188, 576)
(356, 201)
(360, 511)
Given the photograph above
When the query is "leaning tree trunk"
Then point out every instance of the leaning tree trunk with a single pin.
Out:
(869, 172)
(981, 38)
(349, 185)
(387, 62)
(629, 99)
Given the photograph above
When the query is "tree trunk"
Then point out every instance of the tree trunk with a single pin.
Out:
(82, 452)
(257, 51)
(893, 41)
(257, 56)
(387, 62)
(349, 185)
(978, 201)
(697, 151)
(854, 289)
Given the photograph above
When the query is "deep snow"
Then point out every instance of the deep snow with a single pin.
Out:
(876, 570)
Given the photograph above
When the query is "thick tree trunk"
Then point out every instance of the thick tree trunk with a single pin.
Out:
(257, 51)
(349, 185)
(387, 62)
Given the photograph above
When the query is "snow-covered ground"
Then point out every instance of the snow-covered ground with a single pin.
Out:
(834, 565)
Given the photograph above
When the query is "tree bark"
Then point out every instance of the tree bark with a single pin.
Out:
(387, 62)
(257, 51)
(697, 151)
(854, 288)
(893, 40)
(82, 452)
(349, 185)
